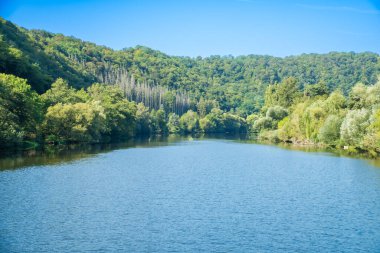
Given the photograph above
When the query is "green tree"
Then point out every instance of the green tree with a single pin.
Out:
(234, 124)
(283, 94)
(371, 140)
(354, 127)
(80, 122)
(143, 120)
(319, 89)
(335, 102)
(357, 96)
(262, 123)
(312, 120)
(174, 123)
(61, 92)
(189, 122)
(276, 113)
(329, 133)
(20, 110)
(159, 121)
(120, 113)
(169, 101)
(213, 122)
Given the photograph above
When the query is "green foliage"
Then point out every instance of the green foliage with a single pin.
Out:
(319, 89)
(189, 122)
(269, 136)
(354, 127)
(61, 92)
(283, 94)
(371, 140)
(362, 96)
(205, 106)
(158, 121)
(262, 123)
(277, 112)
(174, 123)
(169, 101)
(281, 99)
(213, 122)
(120, 114)
(357, 97)
(20, 110)
(80, 122)
(335, 102)
(234, 124)
(233, 83)
(251, 119)
(329, 133)
(143, 120)
(312, 120)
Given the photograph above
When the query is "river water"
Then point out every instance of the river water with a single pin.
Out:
(188, 195)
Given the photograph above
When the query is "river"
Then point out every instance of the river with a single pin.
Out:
(188, 195)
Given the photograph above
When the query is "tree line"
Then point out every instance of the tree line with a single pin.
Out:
(237, 84)
(102, 113)
(59, 89)
(99, 113)
(314, 115)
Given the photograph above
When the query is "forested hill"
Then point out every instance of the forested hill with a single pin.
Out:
(235, 83)
(326, 99)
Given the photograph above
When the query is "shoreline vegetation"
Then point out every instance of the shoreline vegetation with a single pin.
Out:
(56, 89)
(53, 154)
(101, 114)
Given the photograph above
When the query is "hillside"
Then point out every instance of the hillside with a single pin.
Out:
(236, 83)
(90, 93)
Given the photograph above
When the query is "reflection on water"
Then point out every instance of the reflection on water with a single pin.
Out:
(329, 151)
(65, 153)
(50, 154)
(188, 195)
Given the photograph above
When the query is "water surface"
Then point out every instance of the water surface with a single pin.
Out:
(189, 196)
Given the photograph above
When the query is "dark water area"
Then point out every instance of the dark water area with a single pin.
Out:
(185, 194)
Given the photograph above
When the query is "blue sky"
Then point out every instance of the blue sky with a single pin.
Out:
(209, 27)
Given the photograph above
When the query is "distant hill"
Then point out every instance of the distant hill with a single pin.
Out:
(41, 57)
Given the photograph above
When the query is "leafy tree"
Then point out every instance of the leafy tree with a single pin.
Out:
(276, 112)
(251, 119)
(143, 120)
(373, 94)
(292, 128)
(335, 102)
(319, 89)
(169, 101)
(61, 92)
(174, 123)
(213, 122)
(20, 110)
(120, 114)
(357, 97)
(263, 123)
(283, 94)
(354, 127)
(234, 124)
(312, 120)
(158, 121)
(371, 141)
(329, 133)
(80, 122)
(189, 122)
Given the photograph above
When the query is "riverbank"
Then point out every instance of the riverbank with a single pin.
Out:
(64, 153)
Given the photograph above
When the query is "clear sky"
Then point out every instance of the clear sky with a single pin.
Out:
(209, 27)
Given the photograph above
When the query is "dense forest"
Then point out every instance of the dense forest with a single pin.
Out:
(59, 89)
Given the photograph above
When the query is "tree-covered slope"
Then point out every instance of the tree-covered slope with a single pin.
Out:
(323, 99)
(236, 83)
